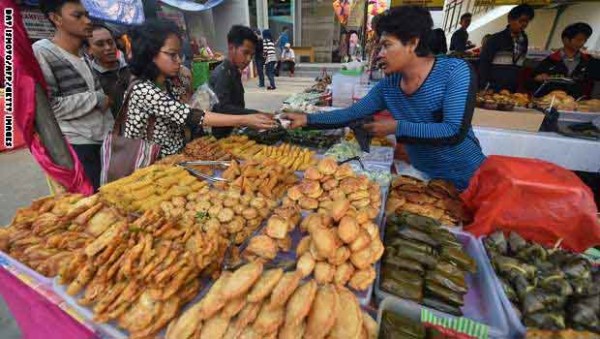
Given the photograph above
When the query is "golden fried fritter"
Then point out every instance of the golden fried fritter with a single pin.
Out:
(263, 246)
(362, 279)
(322, 315)
(348, 229)
(242, 280)
(284, 289)
(349, 319)
(300, 302)
(265, 285)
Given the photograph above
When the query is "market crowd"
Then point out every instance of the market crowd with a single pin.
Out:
(139, 84)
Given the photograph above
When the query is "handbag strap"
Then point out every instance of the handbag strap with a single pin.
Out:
(123, 114)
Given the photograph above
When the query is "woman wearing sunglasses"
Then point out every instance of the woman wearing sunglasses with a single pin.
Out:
(154, 109)
(431, 100)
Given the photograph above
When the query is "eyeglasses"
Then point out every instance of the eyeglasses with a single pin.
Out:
(174, 56)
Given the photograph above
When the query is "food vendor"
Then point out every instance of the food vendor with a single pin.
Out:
(431, 100)
(568, 62)
(503, 54)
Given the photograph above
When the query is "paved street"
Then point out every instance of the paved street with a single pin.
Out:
(21, 179)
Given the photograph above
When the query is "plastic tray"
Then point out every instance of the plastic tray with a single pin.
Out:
(577, 116)
(516, 327)
(10, 261)
(481, 301)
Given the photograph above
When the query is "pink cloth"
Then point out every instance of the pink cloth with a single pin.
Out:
(27, 73)
(36, 316)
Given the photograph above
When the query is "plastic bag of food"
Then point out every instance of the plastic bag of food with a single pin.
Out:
(204, 98)
(541, 201)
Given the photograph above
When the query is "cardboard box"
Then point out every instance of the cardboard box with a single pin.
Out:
(520, 119)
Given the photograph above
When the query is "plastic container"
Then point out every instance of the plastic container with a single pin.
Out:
(516, 327)
(342, 88)
(482, 303)
(7, 260)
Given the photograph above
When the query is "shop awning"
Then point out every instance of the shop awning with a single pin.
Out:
(187, 5)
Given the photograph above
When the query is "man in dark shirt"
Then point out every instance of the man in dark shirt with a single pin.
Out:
(112, 71)
(460, 39)
(503, 54)
(226, 79)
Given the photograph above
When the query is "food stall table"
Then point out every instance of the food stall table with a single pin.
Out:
(574, 154)
(38, 311)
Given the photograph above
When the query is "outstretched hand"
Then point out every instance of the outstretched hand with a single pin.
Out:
(297, 120)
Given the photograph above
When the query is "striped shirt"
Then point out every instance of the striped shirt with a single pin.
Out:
(434, 122)
(269, 51)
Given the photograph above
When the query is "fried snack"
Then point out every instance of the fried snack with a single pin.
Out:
(361, 280)
(349, 319)
(342, 254)
(284, 289)
(263, 246)
(300, 303)
(277, 227)
(214, 327)
(242, 280)
(306, 264)
(370, 325)
(269, 319)
(292, 332)
(265, 285)
(185, 325)
(362, 259)
(324, 242)
(348, 229)
(361, 242)
(339, 209)
(307, 203)
(246, 317)
(324, 272)
(322, 315)
(213, 300)
(303, 246)
(343, 273)
(266, 178)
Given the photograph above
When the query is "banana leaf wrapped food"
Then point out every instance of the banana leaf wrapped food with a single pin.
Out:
(460, 258)
(405, 277)
(450, 270)
(553, 321)
(434, 289)
(496, 242)
(509, 290)
(510, 267)
(441, 306)
(445, 238)
(417, 246)
(555, 283)
(539, 300)
(516, 242)
(583, 316)
(412, 234)
(402, 289)
(403, 264)
(422, 223)
(395, 326)
(425, 259)
(449, 283)
(532, 253)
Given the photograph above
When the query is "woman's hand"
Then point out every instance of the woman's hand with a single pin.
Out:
(382, 128)
(259, 121)
(296, 119)
(541, 77)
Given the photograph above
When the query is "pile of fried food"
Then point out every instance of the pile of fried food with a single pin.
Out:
(267, 178)
(425, 263)
(336, 190)
(233, 214)
(340, 251)
(141, 273)
(255, 303)
(276, 235)
(503, 100)
(46, 235)
(148, 187)
(204, 148)
(592, 105)
(375, 141)
(550, 289)
(559, 100)
(437, 199)
(293, 157)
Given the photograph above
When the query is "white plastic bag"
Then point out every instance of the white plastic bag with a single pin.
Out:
(204, 98)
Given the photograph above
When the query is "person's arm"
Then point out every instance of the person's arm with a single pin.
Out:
(372, 103)
(292, 55)
(72, 106)
(147, 96)
(458, 107)
(542, 72)
(488, 51)
(220, 83)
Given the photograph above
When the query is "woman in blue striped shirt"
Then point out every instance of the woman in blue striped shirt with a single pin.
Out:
(431, 99)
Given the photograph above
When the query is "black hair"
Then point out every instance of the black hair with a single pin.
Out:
(521, 10)
(573, 30)
(96, 26)
(54, 6)
(466, 16)
(407, 23)
(437, 42)
(285, 28)
(238, 33)
(267, 35)
(147, 40)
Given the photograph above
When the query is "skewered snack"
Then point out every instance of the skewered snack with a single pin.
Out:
(148, 187)
(141, 273)
(331, 189)
(265, 178)
(550, 289)
(424, 263)
(437, 199)
(558, 99)
(284, 308)
(49, 233)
